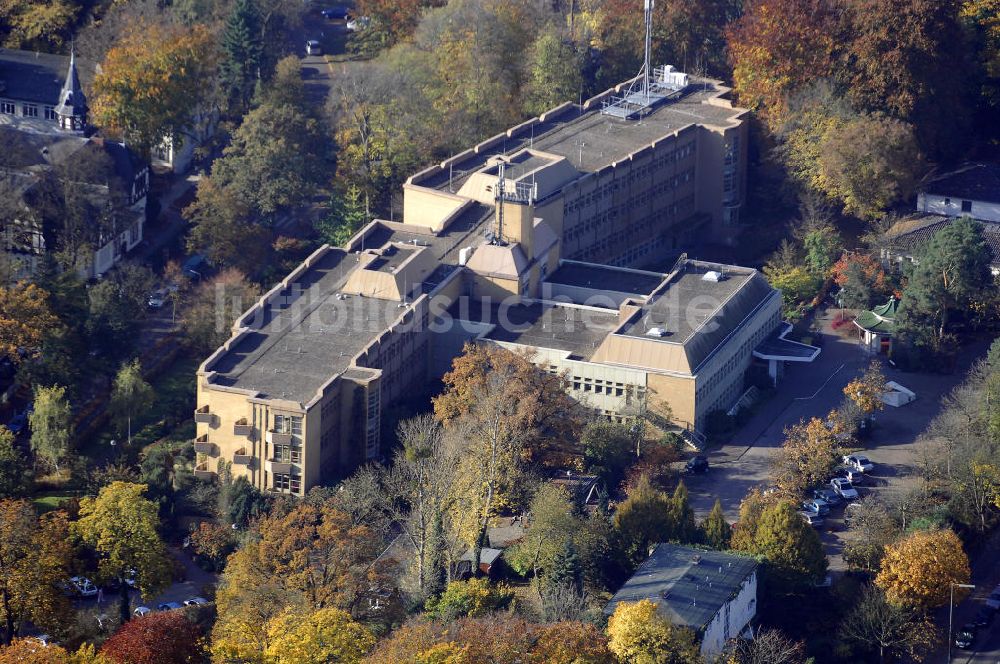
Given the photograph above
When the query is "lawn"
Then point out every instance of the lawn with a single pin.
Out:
(50, 501)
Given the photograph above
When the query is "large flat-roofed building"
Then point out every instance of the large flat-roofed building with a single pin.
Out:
(488, 253)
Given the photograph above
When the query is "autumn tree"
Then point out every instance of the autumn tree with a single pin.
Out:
(644, 518)
(311, 557)
(472, 598)
(25, 315)
(808, 456)
(212, 542)
(869, 163)
(389, 21)
(152, 81)
(51, 424)
(541, 408)
(121, 525)
(43, 25)
(555, 73)
(35, 555)
(326, 635)
(895, 631)
(906, 58)
(715, 530)
(791, 547)
(778, 46)
(862, 280)
(607, 451)
(867, 390)
(796, 283)
(919, 569)
(33, 651)
(215, 305)
(224, 228)
(552, 525)
(639, 634)
(570, 642)
(166, 637)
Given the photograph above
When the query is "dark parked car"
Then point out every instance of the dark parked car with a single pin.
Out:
(829, 495)
(337, 13)
(965, 637)
(698, 464)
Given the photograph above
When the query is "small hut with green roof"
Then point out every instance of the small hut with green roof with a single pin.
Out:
(878, 325)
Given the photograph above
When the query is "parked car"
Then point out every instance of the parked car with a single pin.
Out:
(157, 299)
(852, 475)
(816, 506)
(814, 520)
(360, 23)
(965, 637)
(336, 13)
(141, 611)
(698, 464)
(993, 601)
(83, 586)
(844, 488)
(313, 47)
(169, 606)
(985, 616)
(195, 267)
(859, 462)
(828, 495)
(195, 601)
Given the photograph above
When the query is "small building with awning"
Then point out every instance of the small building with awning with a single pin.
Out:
(877, 326)
(776, 349)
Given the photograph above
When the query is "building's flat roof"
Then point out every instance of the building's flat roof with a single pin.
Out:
(590, 140)
(606, 277)
(469, 229)
(577, 330)
(308, 336)
(391, 259)
(977, 182)
(688, 585)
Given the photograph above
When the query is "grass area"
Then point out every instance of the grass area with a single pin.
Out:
(50, 501)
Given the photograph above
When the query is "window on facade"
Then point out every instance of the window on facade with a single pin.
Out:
(295, 484)
(282, 482)
(966, 206)
(295, 455)
(296, 425)
(7, 108)
(50, 113)
(29, 111)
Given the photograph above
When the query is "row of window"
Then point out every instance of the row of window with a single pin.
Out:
(288, 424)
(739, 358)
(609, 189)
(292, 483)
(27, 110)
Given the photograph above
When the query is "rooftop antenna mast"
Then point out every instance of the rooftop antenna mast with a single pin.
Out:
(500, 197)
(646, 64)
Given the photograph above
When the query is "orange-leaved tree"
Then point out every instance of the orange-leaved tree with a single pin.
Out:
(919, 570)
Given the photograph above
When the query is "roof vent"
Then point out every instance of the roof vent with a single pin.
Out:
(656, 332)
(712, 275)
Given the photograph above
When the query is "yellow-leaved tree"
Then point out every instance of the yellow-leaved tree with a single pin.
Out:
(867, 389)
(919, 569)
(152, 82)
(638, 634)
(327, 635)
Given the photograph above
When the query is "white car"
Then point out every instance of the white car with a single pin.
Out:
(814, 520)
(844, 488)
(195, 601)
(157, 299)
(860, 462)
(83, 586)
(359, 23)
(141, 611)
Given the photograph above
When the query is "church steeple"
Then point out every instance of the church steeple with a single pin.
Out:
(72, 109)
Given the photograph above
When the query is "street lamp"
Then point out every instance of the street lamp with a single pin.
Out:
(951, 610)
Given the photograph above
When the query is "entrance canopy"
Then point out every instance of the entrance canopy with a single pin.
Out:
(777, 347)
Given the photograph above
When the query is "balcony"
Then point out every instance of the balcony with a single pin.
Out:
(241, 428)
(202, 472)
(202, 446)
(241, 458)
(278, 438)
(202, 416)
(277, 467)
